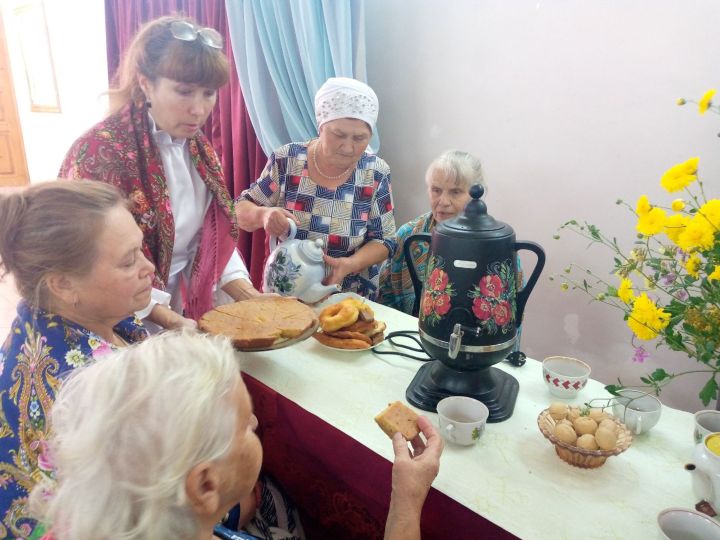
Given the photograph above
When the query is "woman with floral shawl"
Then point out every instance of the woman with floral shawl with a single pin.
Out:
(152, 148)
(80, 281)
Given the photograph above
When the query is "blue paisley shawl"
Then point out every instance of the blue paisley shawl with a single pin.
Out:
(38, 352)
(396, 288)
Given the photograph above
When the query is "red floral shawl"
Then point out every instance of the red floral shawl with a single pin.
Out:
(120, 151)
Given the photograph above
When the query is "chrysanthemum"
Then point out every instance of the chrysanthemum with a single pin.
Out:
(651, 223)
(646, 320)
(692, 265)
(711, 212)
(677, 205)
(706, 101)
(643, 205)
(625, 291)
(715, 274)
(675, 225)
(698, 234)
(681, 175)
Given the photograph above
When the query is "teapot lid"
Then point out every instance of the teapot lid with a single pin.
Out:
(312, 250)
(474, 220)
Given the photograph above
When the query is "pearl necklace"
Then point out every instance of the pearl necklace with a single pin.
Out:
(317, 168)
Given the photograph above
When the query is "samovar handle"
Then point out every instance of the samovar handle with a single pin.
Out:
(410, 262)
(522, 296)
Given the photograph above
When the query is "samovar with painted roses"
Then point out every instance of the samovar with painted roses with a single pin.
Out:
(470, 304)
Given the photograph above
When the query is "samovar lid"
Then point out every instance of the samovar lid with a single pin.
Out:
(474, 221)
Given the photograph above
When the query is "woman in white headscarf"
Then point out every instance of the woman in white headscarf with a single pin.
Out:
(332, 189)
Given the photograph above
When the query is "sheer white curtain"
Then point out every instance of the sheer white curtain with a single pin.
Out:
(284, 51)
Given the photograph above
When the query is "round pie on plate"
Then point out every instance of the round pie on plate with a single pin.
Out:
(261, 323)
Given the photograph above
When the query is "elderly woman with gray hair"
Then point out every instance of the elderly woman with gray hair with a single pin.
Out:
(448, 180)
(158, 441)
(332, 189)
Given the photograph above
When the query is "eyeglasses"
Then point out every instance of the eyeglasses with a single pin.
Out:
(186, 31)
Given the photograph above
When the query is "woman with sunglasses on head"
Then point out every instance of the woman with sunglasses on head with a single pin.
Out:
(151, 146)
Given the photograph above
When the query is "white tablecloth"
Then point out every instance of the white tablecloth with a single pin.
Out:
(512, 477)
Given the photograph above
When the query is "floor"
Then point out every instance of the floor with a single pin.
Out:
(8, 294)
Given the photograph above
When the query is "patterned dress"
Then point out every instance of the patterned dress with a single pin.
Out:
(346, 218)
(40, 349)
(396, 287)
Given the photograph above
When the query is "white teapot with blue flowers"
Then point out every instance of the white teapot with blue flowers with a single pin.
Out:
(296, 268)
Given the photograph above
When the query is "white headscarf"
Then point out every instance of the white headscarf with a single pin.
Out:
(342, 97)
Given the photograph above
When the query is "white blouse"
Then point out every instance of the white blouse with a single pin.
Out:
(190, 199)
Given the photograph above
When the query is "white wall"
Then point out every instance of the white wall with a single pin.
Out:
(76, 30)
(570, 105)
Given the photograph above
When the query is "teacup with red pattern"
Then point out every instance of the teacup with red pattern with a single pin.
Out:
(565, 376)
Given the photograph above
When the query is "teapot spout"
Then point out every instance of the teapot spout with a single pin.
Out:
(317, 292)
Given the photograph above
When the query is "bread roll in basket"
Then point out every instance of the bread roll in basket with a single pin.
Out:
(579, 457)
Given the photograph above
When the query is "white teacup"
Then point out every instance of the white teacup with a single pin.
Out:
(639, 411)
(706, 422)
(686, 524)
(462, 419)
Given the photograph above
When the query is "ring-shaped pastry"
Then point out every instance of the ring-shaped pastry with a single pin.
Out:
(338, 316)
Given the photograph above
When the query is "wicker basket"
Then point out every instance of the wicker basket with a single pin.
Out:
(579, 457)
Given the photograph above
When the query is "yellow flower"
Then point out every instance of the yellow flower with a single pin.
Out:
(715, 274)
(711, 212)
(692, 265)
(643, 205)
(646, 320)
(681, 175)
(677, 205)
(625, 291)
(698, 234)
(675, 225)
(651, 223)
(706, 101)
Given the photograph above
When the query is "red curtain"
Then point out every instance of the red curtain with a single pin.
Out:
(229, 127)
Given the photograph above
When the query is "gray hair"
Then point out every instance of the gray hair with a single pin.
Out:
(463, 167)
(126, 431)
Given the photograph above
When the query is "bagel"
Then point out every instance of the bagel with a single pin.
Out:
(338, 316)
(340, 343)
(366, 313)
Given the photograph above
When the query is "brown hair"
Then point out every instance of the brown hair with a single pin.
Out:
(52, 227)
(154, 52)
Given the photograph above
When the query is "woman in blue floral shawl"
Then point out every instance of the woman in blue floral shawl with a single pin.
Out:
(75, 253)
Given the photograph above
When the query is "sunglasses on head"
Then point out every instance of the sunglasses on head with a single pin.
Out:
(187, 31)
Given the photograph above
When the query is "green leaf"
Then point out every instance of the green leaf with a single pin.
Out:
(659, 375)
(614, 389)
(646, 380)
(709, 391)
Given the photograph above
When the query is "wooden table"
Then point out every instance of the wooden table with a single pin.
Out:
(316, 409)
